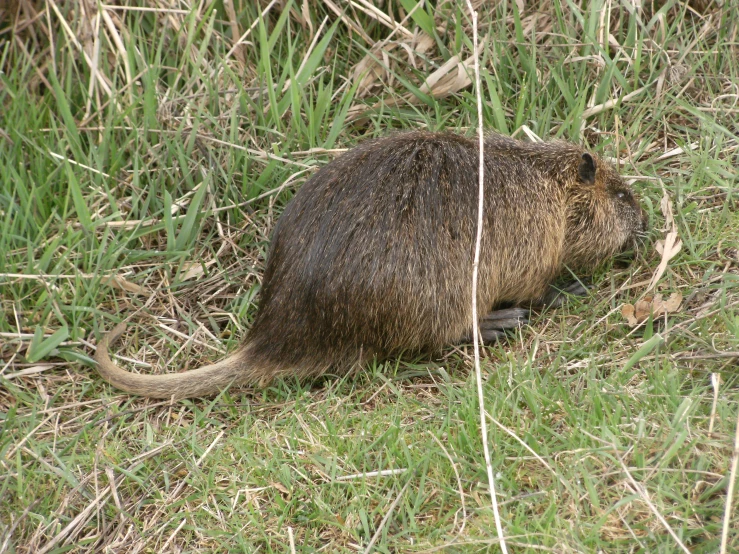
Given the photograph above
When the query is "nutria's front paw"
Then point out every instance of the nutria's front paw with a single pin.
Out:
(557, 294)
(493, 326)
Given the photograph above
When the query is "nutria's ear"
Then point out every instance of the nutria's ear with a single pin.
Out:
(586, 171)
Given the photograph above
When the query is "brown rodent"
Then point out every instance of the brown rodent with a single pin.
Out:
(373, 256)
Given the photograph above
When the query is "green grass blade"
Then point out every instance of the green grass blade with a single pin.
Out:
(41, 347)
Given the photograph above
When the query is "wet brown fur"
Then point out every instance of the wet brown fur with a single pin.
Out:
(373, 256)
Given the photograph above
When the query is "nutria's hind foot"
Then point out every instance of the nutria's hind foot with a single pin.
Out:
(494, 325)
(557, 294)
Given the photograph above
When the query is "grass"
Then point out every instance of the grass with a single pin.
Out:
(144, 160)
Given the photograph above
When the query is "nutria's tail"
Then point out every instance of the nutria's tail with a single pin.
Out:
(203, 381)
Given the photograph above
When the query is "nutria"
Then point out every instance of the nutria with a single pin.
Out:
(372, 258)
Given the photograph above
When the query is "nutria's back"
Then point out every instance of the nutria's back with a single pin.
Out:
(373, 255)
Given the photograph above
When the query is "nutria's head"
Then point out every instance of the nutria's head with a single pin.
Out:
(603, 215)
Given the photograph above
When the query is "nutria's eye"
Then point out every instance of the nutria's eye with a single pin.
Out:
(623, 195)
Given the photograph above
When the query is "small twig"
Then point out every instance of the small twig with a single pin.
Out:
(348, 22)
(383, 473)
(9, 455)
(270, 192)
(82, 516)
(645, 497)
(380, 527)
(308, 52)
(533, 453)
(174, 534)
(115, 36)
(459, 485)
(672, 243)
(114, 490)
(233, 23)
(730, 491)
(83, 166)
(614, 102)
(242, 38)
(8, 532)
(102, 81)
(715, 382)
(94, 65)
(144, 9)
(523, 546)
(710, 356)
(33, 370)
(677, 151)
(291, 538)
(182, 483)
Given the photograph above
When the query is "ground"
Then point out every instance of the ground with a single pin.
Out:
(145, 155)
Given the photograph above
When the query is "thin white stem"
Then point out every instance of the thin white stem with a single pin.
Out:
(730, 492)
(642, 492)
(475, 269)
